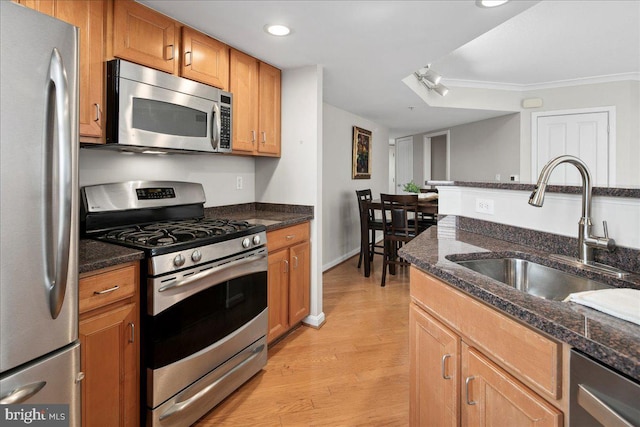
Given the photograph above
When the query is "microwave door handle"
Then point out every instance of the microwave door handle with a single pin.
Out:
(58, 192)
(216, 127)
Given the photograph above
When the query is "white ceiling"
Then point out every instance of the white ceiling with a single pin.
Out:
(366, 48)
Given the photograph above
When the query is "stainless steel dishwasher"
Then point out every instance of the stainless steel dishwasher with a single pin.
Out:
(601, 396)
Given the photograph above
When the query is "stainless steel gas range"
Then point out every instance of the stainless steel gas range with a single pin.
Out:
(204, 306)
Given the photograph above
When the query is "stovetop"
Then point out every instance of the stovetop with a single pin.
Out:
(163, 237)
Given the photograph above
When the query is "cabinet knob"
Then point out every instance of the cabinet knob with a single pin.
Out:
(187, 63)
(170, 55)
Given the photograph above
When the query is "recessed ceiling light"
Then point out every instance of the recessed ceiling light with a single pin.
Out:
(490, 3)
(277, 30)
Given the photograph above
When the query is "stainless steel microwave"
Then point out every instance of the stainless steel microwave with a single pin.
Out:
(149, 111)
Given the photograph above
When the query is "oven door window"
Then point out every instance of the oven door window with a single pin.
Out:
(167, 118)
(204, 318)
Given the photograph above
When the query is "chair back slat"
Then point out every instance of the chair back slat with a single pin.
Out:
(363, 197)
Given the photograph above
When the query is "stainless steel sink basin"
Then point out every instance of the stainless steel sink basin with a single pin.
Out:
(533, 278)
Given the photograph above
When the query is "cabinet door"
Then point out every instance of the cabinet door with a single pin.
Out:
(269, 115)
(204, 59)
(44, 6)
(434, 390)
(109, 361)
(144, 36)
(277, 293)
(243, 83)
(492, 397)
(88, 15)
(299, 282)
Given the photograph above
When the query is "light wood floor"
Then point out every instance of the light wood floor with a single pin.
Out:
(353, 371)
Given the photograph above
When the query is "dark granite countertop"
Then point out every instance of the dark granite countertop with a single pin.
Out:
(273, 216)
(94, 255)
(633, 192)
(613, 341)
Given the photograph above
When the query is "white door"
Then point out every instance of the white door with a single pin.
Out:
(404, 162)
(584, 135)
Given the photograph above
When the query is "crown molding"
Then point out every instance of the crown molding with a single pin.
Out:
(548, 85)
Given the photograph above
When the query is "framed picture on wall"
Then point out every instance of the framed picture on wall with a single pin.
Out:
(361, 168)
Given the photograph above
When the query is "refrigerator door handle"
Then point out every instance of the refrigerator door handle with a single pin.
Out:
(59, 192)
(22, 394)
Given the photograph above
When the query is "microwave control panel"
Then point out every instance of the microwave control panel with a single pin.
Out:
(225, 127)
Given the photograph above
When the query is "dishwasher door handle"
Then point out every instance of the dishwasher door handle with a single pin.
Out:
(599, 409)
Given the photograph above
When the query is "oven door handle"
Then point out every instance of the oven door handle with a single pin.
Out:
(215, 270)
(178, 407)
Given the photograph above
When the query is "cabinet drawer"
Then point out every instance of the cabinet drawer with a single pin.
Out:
(103, 288)
(288, 236)
(527, 354)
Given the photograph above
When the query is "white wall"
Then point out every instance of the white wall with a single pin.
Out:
(559, 214)
(479, 150)
(624, 95)
(484, 149)
(296, 177)
(216, 172)
(341, 222)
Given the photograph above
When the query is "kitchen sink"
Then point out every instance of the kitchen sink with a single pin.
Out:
(533, 278)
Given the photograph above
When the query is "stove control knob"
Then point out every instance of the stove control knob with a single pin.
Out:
(246, 242)
(179, 260)
(256, 240)
(196, 256)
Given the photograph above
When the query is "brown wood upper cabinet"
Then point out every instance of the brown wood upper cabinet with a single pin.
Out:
(204, 59)
(144, 36)
(149, 38)
(89, 16)
(256, 105)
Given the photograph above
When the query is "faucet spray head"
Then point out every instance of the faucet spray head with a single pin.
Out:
(537, 196)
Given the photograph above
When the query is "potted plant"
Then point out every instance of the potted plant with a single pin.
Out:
(411, 187)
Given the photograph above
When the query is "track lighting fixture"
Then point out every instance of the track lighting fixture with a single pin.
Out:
(431, 80)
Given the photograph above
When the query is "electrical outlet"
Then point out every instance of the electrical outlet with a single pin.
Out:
(484, 206)
(238, 183)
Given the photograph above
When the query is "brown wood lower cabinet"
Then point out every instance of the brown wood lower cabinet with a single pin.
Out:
(289, 277)
(109, 319)
(473, 366)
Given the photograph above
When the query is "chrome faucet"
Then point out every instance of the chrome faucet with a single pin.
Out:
(586, 241)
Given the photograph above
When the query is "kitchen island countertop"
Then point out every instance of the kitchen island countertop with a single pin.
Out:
(613, 341)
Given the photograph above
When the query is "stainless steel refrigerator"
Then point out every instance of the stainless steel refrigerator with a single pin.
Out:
(39, 347)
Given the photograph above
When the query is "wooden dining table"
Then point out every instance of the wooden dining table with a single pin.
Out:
(425, 207)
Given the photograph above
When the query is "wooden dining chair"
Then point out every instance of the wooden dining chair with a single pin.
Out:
(368, 226)
(399, 220)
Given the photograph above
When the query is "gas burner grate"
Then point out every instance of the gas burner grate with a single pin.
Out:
(166, 233)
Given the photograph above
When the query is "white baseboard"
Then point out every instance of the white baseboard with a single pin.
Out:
(340, 260)
(314, 321)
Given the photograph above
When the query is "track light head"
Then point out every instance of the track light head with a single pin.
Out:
(431, 80)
